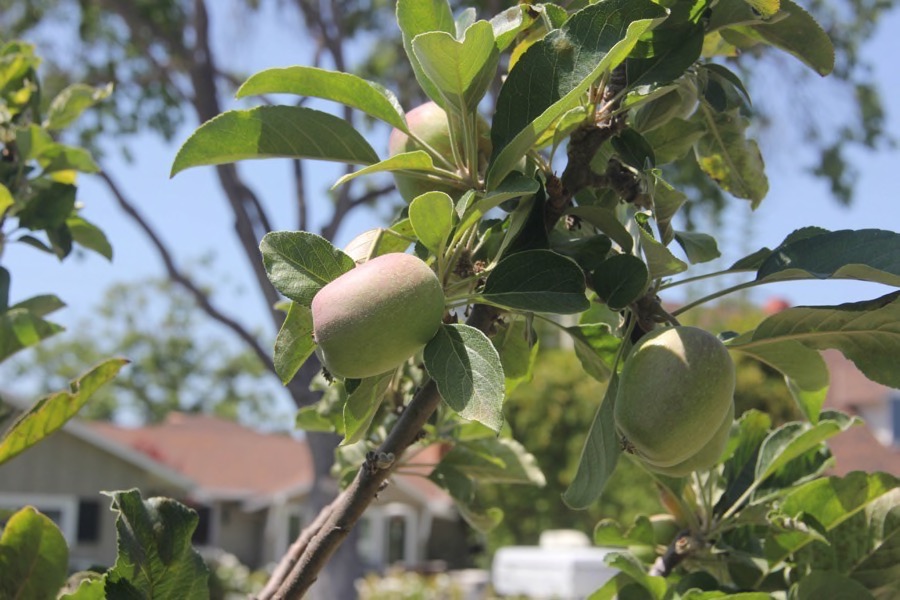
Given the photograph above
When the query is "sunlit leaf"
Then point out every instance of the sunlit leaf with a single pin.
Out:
(346, 88)
(362, 404)
(462, 70)
(72, 101)
(299, 263)
(554, 73)
(431, 216)
(422, 16)
(34, 558)
(468, 373)
(51, 412)
(272, 132)
(729, 158)
(155, 558)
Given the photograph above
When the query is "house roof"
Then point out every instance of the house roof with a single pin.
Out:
(849, 387)
(224, 459)
(857, 450)
(228, 461)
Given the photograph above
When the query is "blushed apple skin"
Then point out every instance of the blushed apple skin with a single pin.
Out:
(375, 316)
(429, 122)
(675, 391)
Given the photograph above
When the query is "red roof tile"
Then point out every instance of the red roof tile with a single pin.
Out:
(220, 456)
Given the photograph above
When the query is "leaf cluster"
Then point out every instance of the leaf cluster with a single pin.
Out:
(624, 88)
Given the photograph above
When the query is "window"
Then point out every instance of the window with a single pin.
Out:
(895, 419)
(61, 509)
(201, 533)
(88, 531)
(396, 539)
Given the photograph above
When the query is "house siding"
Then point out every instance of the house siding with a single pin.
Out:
(42, 471)
(240, 533)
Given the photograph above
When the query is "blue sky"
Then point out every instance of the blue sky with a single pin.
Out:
(191, 216)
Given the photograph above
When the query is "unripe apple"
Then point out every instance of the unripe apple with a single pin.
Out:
(375, 316)
(430, 124)
(675, 390)
(706, 457)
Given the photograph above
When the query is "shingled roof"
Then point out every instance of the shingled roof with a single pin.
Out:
(224, 459)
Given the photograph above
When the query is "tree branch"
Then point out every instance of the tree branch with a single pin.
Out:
(299, 569)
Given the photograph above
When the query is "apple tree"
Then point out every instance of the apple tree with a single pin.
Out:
(568, 217)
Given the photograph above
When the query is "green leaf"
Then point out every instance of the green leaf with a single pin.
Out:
(798, 34)
(518, 348)
(4, 291)
(538, 281)
(299, 263)
(91, 587)
(607, 222)
(828, 502)
(51, 412)
(20, 328)
(670, 50)
(729, 158)
(423, 16)
(6, 200)
(699, 247)
(416, 161)
(431, 216)
(493, 460)
(346, 88)
(741, 455)
(72, 101)
(588, 252)
(40, 306)
(554, 73)
(866, 254)
(462, 70)
(599, 456)
(509, 23)
(294, 343)
(876, 565)
(660, 260)
(310, 419)
(379, 241)
(362, 404)
(803, 367)
(89, 236)
(49, 207)
(273, 131)
(793, 439)
(596, 348)
(34, 558)
(514, 186)
(468, 373)
(155, 558)
(631, 566)
(674, 139)
(816, 585)
(868, 333)
(620, 280)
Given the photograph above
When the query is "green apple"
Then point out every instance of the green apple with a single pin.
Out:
(675, 392)
(429, 123)
(375, 316)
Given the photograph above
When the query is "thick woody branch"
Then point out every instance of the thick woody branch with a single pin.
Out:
(300, 567)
